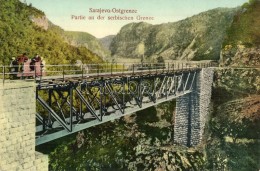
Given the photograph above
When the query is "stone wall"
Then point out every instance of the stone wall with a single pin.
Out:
(192, 110)
(182, 119)
(17, 128)
(205, 98)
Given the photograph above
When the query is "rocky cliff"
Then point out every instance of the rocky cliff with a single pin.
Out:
(233, 140)
(241, 46)
(195, 38)
(42, 21)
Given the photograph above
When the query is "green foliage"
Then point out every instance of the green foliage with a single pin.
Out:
(125, 144)
(241, 156)
(168, 110)
(237, 82)
(106, 147)
(160, 59)
(147, 115)
(234, 131)
(245, 27)
(18, 34)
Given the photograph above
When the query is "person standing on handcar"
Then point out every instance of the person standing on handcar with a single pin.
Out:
(21, 60)
(35, 59)
(14, 68)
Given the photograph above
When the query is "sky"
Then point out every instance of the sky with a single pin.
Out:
(73, 15)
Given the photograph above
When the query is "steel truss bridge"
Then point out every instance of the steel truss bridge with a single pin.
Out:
(82, 96)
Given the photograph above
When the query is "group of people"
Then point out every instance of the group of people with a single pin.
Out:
(17, 64)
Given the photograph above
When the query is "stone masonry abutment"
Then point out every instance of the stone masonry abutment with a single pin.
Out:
(17, 128)
(192, 110)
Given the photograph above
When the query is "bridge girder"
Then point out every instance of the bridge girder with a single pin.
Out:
(69, 107)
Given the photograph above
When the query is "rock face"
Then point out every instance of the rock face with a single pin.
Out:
(234, 126)
(241, 56)
(126, 41)
(42, 22)
(191, 39)
(74, 38)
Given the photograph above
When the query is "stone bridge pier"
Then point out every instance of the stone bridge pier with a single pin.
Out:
(17, 128)
(192, 110)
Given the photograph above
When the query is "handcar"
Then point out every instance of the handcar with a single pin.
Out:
(31, 69)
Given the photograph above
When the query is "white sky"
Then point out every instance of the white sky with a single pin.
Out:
(60, 12)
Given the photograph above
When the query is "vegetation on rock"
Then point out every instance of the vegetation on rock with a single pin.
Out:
(233, 140)
(241, 45)
(245, 26)
(18, 34)
(141, 141)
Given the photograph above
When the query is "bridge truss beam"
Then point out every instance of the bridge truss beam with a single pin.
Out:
(69, 107)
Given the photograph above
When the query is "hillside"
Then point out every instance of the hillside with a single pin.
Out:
(191, 39)
(245, 28)
(234, 132)
(242, 43)
(26, 29)
(87, 40)
(106, 41)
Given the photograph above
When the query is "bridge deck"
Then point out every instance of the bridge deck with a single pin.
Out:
(64, 79)
(78, 97)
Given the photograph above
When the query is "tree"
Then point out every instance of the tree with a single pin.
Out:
(140, 50)
(160, 62)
